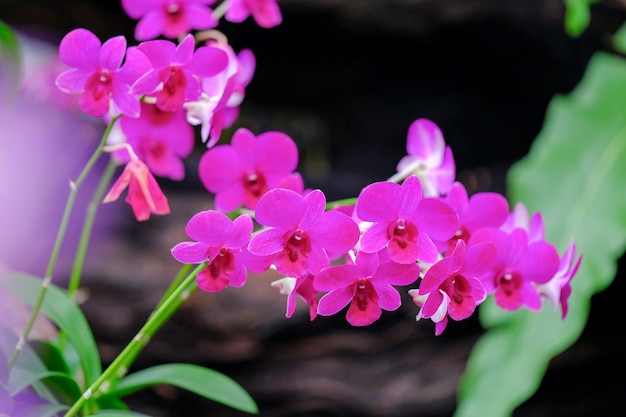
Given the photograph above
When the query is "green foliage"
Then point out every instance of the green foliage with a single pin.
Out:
(577, 16)
(619, 39)
(10, 63)
(64, 313)
(202, 381)
(574, 175)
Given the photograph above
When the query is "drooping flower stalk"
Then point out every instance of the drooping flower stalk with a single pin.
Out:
(124, 360)
(47, 280)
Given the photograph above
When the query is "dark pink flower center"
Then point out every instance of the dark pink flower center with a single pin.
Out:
(173, 11)
(172, 96)
(298, 245)
(100, 85)
(156, 149)
(255, 185)
(402, 232)
(223, 265)
(155, 115)
(364, 294)
(509, 283)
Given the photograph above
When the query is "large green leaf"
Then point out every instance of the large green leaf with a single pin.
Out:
(575, 175)
(64, 313)
(119, 413)
(202, 381)
(10, 63)
(577, 16)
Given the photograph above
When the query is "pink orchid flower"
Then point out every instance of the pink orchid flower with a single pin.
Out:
(451, 287)
(176, 71)
(97, 72)
(244, 170)
(144, 195)
(484, 209)
(218, 106)
(218, 241)
(161, 139)
(403, 221)
(367, 285)
(428, 157)
(558, 289)
(265, 13)
(519, 218)
(300, 232)
(520, 265)
(172, 18)
(301, 287)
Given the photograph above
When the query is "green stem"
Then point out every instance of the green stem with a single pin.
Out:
(47, 280)
(338, 203)
(123, 361)
(81, 252)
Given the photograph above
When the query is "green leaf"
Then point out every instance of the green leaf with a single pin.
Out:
(575, 176)
(202, 381)
(50, 355)
(619, 39)
(577, 16)
(64, 313)
(119, 413)
(10, 63)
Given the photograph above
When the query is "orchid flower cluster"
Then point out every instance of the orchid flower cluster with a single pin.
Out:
(417, 229)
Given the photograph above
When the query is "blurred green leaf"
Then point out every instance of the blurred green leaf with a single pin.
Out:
(202, 381)
(118, 413)
(50, 355)
(619, 39)
(10, 63)
(577, 16)
(575, 175)
(64, 313)
(43, 410)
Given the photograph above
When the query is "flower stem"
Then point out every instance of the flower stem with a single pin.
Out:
(123, 361)
(81, 252)
(338, 203)
(47, 280)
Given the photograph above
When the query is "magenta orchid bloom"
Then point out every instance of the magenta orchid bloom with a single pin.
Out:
(218, 106)
(265, 13)
(301, 287)
(403, 221)
(451, 287)
(161, 139)
(520, 265)
(172, 18)
(518, 218)
(429, 158)
(97, 72)
(244, 170)
(176, 71)
(300, 232)
(367, 285)
(485, 209)
(558, 289)
(144, 194)
(218, 241)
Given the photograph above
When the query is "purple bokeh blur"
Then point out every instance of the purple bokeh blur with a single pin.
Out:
(44, 143)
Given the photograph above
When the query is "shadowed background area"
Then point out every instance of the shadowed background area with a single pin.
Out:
(345, 79)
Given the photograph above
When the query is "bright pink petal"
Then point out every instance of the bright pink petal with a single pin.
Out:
(112, 53)
(425, 141)
(396, 274)
(478, 259)
(160, 52)
(229, 199)
(150, 26)
(79, 49)
(209, 283)
(485, 210)
(242, 229)
(437, 219)
(334, 301)
(277, 152)
(428, 251)
(200, 17)
(267, 242)
(208, 61)
(540, 262)
(126, 102)
(335, 277)
(137, 8)
(375, 238)
(336, 232)
(237, 11)
(191, 252)
(411, 197)
(72, 81)
(388, 297)
(379, 202)
(267, 13)
(363, 314)
(210, 227)
(281, 208)
(219, 169)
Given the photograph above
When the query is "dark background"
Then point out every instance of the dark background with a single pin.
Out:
(345, 79)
